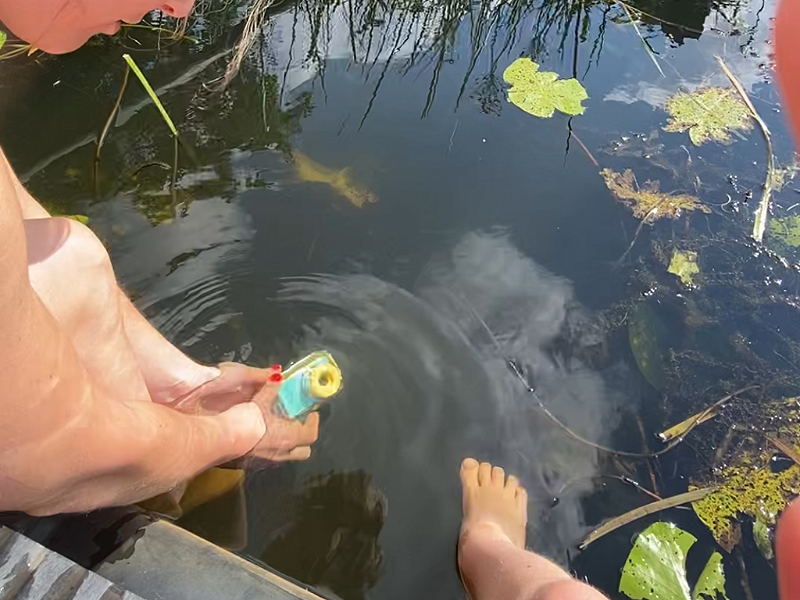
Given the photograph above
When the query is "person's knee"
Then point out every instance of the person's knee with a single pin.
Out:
(566, 589)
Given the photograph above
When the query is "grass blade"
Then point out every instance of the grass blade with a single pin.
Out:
(149, 89)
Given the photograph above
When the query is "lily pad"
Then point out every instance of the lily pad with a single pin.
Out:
(646, 335)
(540, 93)
(684, 266)
(3, 38)
(656, 568)
(709, 114)
(647, 201)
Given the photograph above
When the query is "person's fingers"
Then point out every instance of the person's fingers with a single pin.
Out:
(285, 434)
(236, 383)
(299, 453)
(788, 546)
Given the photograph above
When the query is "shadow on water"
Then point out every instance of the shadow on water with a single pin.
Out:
(255, 250)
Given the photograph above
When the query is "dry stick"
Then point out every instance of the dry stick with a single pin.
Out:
(113, 114)
(643, 511)
(646, 448)
(585, 149)
(762, 213)
(577, 437)
(785, 448)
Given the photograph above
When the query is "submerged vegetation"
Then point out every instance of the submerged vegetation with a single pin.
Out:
(647, 201)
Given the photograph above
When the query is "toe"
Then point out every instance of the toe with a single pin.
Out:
(511, 486)
(522, 495)
(498, 476)
(469, 472)
(485, 474)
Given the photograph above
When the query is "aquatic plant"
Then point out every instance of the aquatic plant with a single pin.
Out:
(646, 335)
(150, 92)
(541, 93)
(684, 266)
(709, 114)
(786, 230)
(648, 202)
(656, 568)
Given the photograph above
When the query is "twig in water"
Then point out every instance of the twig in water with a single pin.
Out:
(517, 371)
(641, 37)
(113, 114)
(785, 448)
(646, 448)
(150, 92)
(585, 149)
(650, 213)
(643, 511)
(762, 213)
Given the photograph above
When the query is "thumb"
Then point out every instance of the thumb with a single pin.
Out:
(243, 424)
(788, 543)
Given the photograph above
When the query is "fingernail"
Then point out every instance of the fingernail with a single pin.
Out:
(276, 367)
(276, 377)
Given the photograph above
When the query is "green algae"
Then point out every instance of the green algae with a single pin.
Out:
(709, 114)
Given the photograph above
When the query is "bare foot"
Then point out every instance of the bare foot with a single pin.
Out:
(492, 504)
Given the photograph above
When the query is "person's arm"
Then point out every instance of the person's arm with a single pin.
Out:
(63, 445)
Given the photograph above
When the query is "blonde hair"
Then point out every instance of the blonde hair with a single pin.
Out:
(252, 27)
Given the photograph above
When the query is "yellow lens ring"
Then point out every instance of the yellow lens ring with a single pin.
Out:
(325, 380)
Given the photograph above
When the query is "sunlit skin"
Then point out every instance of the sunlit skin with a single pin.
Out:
(99, 409)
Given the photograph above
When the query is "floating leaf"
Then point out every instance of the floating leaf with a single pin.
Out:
(711, 583)
(3, 38)
(648, 202)
(656, 567)
(708, 114)
(684, 266)
(540, 93)
(786, 230)
(747, 484)
(79, 218)
(646, 334)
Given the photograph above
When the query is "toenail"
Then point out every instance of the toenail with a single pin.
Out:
(469, 463)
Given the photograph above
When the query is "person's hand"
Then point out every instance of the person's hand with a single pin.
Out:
(285, 439)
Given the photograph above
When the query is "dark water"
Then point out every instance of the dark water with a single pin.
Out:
(487, 220)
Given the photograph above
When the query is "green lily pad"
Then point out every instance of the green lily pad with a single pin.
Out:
(646, 335)
(647, 201)
(656, 568)
(684, 266)
(540, 93)
(709, 114)
(3, 38)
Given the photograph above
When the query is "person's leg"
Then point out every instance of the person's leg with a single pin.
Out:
(492, 558)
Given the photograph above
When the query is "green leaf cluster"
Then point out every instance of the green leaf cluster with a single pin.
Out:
(684, 266)
(709, 114)
(656, 568)
(541, 93)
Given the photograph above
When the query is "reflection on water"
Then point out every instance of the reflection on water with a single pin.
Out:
(426, 387)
